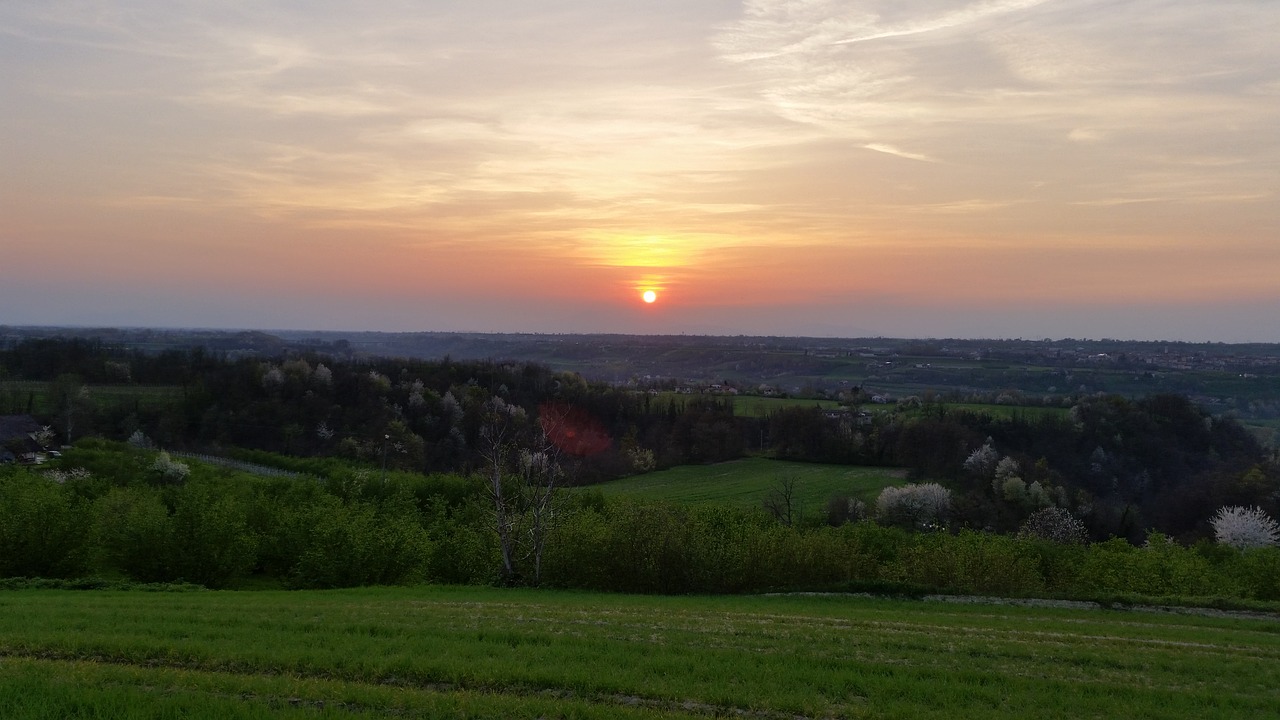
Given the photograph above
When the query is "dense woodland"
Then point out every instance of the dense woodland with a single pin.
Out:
(1126, 468)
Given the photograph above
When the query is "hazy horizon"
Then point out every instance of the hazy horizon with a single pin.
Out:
(824, 168)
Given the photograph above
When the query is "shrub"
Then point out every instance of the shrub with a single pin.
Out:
(969, 562)
(133, 534)
(212, 543)
(363, 543)
(42, 528)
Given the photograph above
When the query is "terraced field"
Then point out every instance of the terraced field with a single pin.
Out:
(483, 653)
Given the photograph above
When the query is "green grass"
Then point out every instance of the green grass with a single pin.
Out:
(756, 406)
(1030, 412)
(475, 652)
(16, 393)
(750, 405)
(746, 483)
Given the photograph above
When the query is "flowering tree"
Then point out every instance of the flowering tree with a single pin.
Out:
(983, 460)
(1245, 527)
(914, 505)
(1054, 524)
(170, 470)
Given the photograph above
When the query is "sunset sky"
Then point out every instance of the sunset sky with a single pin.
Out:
(907, 168)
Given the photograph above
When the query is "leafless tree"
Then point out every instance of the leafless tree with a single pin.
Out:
(522, 477)
(782, 501)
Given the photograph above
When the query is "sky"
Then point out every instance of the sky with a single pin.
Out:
(847, 168)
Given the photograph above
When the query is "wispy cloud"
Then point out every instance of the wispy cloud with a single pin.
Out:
(602, 133)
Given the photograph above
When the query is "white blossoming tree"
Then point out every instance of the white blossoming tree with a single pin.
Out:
(170, 470)
(918, 506)
(982, 461)
(1244, 528)
(1054, 524)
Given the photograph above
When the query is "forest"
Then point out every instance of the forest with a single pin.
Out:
(445, 470)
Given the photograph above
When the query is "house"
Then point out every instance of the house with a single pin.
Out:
(16, 438)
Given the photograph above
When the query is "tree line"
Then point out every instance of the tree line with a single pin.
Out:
(1124, 467)
(112, 510)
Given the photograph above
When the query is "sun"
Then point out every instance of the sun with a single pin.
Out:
(649, 296)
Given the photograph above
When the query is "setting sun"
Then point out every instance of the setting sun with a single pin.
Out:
(649, 296)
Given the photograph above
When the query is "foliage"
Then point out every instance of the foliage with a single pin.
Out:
(362, 543)
(42, 527)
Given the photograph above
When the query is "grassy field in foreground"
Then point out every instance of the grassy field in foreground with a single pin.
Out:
(479, 652)
(746, 483)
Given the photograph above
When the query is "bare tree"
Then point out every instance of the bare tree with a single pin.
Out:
(522, 477)
(782, 501)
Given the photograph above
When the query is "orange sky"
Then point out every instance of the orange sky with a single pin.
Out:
(1010, 168)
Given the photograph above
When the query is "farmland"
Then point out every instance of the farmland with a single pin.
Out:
(476, 652)
(34, 396)
(745, 483)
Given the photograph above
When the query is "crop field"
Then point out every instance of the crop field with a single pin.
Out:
(746, 483)
(484, 653)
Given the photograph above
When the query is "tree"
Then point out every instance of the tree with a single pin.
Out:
(521, 480)
(782, 503)
(71, 398)
(916, 506)
(1244, 528)
(1056, 525)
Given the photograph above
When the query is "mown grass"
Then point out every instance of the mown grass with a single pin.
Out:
(477, 652)
(747, 482)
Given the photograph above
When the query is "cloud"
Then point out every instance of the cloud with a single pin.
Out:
(891, 150)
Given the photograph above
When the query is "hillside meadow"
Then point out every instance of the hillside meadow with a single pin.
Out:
(747, 482)
(484, 652)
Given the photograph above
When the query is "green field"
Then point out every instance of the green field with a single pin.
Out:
(751, 405)
(17, 395)
(756, 406)
(1030, 412)
(746, 483)
(488, 653)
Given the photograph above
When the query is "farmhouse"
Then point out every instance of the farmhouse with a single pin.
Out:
(17, 441)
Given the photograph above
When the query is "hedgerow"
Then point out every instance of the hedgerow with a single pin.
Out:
(117, 520)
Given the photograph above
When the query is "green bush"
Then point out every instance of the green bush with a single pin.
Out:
(1162, 567)
(42, 527)
(212, 543)
(1257, 573)
(362, 543)
(133, 534)
(970, 562)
